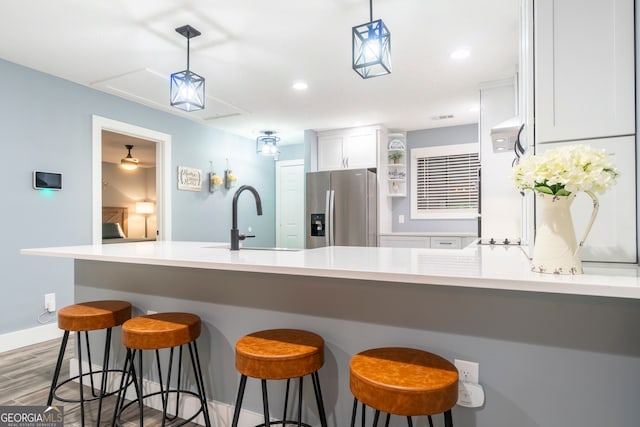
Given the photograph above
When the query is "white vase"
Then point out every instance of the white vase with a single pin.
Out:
(556, 250)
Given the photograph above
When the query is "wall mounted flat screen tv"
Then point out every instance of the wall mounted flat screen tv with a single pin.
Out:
(47, 180)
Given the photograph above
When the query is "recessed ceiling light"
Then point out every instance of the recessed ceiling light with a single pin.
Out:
(300, 85)
(460, 53)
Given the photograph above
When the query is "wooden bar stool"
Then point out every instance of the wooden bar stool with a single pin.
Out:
(403, 381)
(85, 317)
(280, 354)
(155, 332)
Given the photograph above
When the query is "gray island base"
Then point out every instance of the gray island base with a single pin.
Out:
(546, 359)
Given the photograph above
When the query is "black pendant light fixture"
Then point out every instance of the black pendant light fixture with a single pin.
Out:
(371, 54)
(267, 144)
(129, 163)
(187, 87)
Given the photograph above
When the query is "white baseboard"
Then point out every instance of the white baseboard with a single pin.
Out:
(22, 338)
(220, 414)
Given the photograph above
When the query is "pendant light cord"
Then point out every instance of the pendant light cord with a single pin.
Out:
(370, 10)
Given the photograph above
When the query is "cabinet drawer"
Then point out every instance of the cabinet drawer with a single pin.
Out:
(446, 242)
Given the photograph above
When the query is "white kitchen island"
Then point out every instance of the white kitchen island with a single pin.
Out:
(553, 350)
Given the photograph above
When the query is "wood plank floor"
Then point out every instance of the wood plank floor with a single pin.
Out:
(25, 378)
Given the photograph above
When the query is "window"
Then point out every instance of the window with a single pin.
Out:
(445, 181)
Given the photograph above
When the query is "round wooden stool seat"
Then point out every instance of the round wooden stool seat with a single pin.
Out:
(278, 354)
(160, 330)
(404, 381)
(93, 315)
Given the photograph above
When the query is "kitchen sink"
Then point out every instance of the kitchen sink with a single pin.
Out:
(244, 248)
(270, 249)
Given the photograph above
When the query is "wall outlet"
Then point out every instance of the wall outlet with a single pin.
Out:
(400, 219)
(468, 372)
(50, 302)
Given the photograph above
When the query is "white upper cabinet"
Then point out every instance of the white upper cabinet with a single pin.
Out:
(330, 155)
(347, 149)
(584, 69)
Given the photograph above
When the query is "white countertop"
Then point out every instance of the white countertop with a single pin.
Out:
(487, 267)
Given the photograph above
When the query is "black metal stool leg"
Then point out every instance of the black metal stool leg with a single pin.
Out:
(265, 403)
(430, 421)
(354, 412)
(105, 369)
(364, 415)
(318, 392)
(197, 369)
(286, 402)
(386, 423)
(375, 418)
(177, 380)
(164, 397)
(300, 402)
(140, 388)
(409, 422)
(93, 387)
(56, 372)
(448, 419)
(236, 412)
(79, 342)
(124, 379)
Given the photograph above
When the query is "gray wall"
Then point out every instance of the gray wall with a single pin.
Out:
(402, 205)
(545, 360)
(291, 152)
(46, 125)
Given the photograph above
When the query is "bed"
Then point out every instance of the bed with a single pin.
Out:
(115, 225)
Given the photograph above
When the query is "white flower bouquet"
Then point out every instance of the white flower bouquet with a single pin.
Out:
(564, 170)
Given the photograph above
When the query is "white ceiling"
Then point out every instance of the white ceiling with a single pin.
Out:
(251, 52)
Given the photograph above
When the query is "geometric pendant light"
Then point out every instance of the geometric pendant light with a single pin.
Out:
(371, 47)
(267, 144)
(187, 88)
(129, 163)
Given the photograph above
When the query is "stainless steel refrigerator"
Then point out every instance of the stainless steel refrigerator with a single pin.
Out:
(341, 208)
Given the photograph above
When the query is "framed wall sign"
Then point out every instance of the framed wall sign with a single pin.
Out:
(189, 179)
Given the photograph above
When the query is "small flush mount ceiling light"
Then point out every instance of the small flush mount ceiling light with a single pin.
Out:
(187, 87)
(267, 144)
(371, 44)
(129, 163)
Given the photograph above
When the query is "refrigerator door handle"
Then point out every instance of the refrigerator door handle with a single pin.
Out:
(332, 208)
(327, 227)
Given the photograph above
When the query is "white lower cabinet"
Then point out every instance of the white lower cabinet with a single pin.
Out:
(405, 242)
(424, 241)
(613, 236)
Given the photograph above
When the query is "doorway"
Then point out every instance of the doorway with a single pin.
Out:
(128, 188)
(104, 128)
(290, 204)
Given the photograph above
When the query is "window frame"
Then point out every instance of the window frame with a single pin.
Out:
(438, 151)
